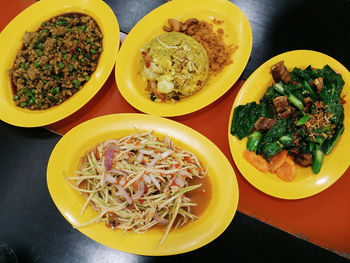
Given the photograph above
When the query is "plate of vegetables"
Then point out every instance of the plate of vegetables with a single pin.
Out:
(288, 128)
(56, 61)
(142, 184)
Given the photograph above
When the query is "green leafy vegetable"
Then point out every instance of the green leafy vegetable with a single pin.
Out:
(254, 141)
(244, 118)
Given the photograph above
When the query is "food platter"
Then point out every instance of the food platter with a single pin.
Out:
(214, 220)
(306, 183)
(237, 32)
(30, 20)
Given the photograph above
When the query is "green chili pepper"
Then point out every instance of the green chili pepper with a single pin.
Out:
(64, 57)
(15, 97)
(93, 51)
(70, 67)
(87, 78)
(36, 64)
(23, 104)
(57, 89)
(60, 64)
(88, 40)
(31, 101)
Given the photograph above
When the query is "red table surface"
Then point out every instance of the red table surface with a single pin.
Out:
(323, 219)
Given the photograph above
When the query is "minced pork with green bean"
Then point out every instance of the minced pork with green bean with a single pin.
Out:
(56, 61)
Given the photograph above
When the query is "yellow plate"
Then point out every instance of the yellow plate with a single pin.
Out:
(30, 20)
(214, 220)
(237, 32)
(306, 183)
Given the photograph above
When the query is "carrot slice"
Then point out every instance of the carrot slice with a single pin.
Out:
(277, 161)
(257, 161)
(287, 170)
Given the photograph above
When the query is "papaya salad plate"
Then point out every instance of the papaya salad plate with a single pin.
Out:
(163, 189)
(289, 125)
(55, 57)
(178, 60)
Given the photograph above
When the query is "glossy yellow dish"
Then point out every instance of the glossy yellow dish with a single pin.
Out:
(214, 220)
(306, 183)
(127, 71)
(30, 20)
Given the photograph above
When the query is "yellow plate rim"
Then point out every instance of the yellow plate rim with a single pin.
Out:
(335, 164)
(11, 42)
(215, 219)
(129, 81)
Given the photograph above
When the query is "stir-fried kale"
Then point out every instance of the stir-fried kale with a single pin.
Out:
(314, 119)
(244, 118)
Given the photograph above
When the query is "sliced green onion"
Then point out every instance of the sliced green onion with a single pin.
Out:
(60, 64)
(15, 97)
(87, 78)
(23, 104)
(93, 51)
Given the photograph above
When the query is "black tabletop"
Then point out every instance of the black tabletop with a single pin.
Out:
(31, 224)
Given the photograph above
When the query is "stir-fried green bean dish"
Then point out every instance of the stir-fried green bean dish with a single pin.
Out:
(55, 61)
(138, 181)
(302, 113)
